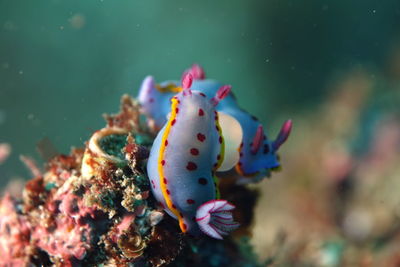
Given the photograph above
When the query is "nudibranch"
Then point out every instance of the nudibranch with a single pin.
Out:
(182, 163)
(258, 153)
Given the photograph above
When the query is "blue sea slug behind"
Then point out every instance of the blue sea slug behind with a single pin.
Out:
(258, 153)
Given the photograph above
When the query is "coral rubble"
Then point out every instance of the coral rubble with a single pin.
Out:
(94, 207)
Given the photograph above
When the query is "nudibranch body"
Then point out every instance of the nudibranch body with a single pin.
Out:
(258, 154)
(183, 159)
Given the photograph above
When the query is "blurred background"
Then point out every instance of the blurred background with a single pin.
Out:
(331, 66)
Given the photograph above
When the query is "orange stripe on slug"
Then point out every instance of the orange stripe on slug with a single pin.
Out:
(161, 159)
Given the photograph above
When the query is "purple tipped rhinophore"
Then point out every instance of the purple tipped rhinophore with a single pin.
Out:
(215, 218)
(222, 92)
(197, 72)
(257, 140)
(187, 81)
(283, 135)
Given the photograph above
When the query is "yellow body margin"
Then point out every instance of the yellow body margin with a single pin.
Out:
(169, 88)
(222, 153)
(163, 186)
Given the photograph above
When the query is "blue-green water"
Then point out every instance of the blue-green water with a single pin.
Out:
(65, 62)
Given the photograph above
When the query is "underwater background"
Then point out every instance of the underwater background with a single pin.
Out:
(333, 67)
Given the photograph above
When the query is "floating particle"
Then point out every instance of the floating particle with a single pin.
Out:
(5, 151)
(31, 116)
(9, 26)
(77, 21)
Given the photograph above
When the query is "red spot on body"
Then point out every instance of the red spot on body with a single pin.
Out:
(190, 201)
(202, 181)
(202, 94)
(161, 204)
(166, 143)
(168, 193)
(165, 181)
(201, 112)
(191, 166)
(201, 137)
(266, 149)
(194, 151)
(163, 162)
(184, 226)
(177, 110)
(173, 122)
(173, 206)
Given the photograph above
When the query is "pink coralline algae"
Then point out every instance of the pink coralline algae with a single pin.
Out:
(15, 233)
(95, 207)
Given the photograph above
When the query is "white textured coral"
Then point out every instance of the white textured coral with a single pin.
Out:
(215, 218)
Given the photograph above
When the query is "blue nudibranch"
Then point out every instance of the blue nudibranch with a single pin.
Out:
(184, 157)
(258, 154)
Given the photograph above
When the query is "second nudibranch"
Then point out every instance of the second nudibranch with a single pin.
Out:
(183, 160)
(258, 153)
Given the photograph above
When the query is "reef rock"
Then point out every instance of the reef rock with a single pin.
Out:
(94, 207)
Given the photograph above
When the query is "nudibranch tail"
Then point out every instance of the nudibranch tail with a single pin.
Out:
(215, 218)
(283, 134)
(222, 92)
(257, 140)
